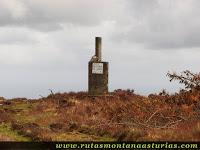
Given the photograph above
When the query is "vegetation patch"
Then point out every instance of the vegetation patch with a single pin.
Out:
(121, 116)
(8, 134)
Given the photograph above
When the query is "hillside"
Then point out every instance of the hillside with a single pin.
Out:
(123, 115)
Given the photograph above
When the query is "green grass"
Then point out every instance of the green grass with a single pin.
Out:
(5, 130)
(76, 136)
(23, 116)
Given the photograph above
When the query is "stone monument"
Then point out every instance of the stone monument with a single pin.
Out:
(97, 72)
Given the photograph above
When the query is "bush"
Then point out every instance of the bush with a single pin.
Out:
(190, 80)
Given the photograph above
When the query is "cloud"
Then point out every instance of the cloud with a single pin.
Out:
(160, 24)
(154, 24)
(48, 15)
(13, 8)
(9, 36)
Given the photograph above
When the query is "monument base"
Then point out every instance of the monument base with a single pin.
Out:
(98, 78)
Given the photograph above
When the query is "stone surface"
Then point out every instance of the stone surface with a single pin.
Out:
(97, 72)
(98, 82)
(98, 48)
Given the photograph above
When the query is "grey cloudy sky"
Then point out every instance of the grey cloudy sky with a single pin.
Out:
(47, 44)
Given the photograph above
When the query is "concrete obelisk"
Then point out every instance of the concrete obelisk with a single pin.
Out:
(97, 72)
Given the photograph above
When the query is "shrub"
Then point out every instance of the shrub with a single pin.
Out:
(190, 80)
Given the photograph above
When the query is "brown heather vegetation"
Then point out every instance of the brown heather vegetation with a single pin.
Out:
(122, 116)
